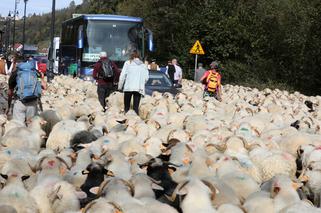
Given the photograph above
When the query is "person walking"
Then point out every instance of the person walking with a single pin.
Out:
(106, 74)
(199, 72)
(212, 82)
(170, 71)
(178, 75)
(11, 64)
(153, 66)
(132, 81)
(33, 61)
(24, 80)
(3, 65)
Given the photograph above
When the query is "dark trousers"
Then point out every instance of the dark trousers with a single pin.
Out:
(103, 92)
(127, 100)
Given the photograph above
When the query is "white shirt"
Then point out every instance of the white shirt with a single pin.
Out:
(178, 75)
(133, 77)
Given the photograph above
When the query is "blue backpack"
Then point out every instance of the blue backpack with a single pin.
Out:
(28, 86)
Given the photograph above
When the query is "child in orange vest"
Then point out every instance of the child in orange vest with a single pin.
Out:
(212, 82)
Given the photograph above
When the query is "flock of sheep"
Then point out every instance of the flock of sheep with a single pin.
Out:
(256, 151)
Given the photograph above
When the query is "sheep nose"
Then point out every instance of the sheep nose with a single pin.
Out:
(51, 162)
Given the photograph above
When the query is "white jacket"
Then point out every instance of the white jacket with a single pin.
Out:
(133, 77)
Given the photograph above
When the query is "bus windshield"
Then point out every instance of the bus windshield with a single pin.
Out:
(117, 38)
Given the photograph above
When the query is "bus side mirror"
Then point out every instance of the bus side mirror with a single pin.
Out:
(150, 42)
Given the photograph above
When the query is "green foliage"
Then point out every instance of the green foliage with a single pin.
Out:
(273, 43)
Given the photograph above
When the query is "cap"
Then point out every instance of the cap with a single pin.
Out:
(103, 55)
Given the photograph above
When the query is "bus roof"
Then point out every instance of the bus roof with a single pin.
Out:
(106, 17)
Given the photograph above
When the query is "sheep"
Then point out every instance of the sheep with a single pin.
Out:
(153, 146)
(51, 117)
(118, 164)
(49, 169)
(7, 209)
(82, 137)
(65, 197)
(65, 129)
(74, 175)
(160, 172)
(25, 137)
(102, 206)
(11, 124)
(95, 176)
(228, 208)
(15, 193)
(198, 196)
(312, 176)
(152, 205)
(144, 186)
(234, 145)
(224, 193)
(119, 191)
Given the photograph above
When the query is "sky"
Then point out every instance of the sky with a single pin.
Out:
(33, 6)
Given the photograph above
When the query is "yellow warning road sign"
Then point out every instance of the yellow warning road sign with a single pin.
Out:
(197, 49)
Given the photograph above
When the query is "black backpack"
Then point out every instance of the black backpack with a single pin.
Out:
(106, 70)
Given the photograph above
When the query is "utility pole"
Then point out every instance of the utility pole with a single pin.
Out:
(52, 34)
(8, 32)
(24, 27)
(14, 21)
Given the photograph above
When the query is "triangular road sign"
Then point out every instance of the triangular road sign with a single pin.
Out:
(197, 49)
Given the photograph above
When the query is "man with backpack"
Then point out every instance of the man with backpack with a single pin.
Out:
(24, 80)
(106, 74)
(212, 81)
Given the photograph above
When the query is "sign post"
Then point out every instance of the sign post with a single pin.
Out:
(197, 49)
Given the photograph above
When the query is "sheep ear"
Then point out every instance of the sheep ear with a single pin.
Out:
(81, 194)
(84, 145)
(94, 190)
(85, 172)
(296, 185)
(144, 168)
(157, 187)
(171, 170)
(110, 173)
(62, 170)
(25, 177)
(59, 196)
(4, 176)
(182, 191)
(43, 122)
